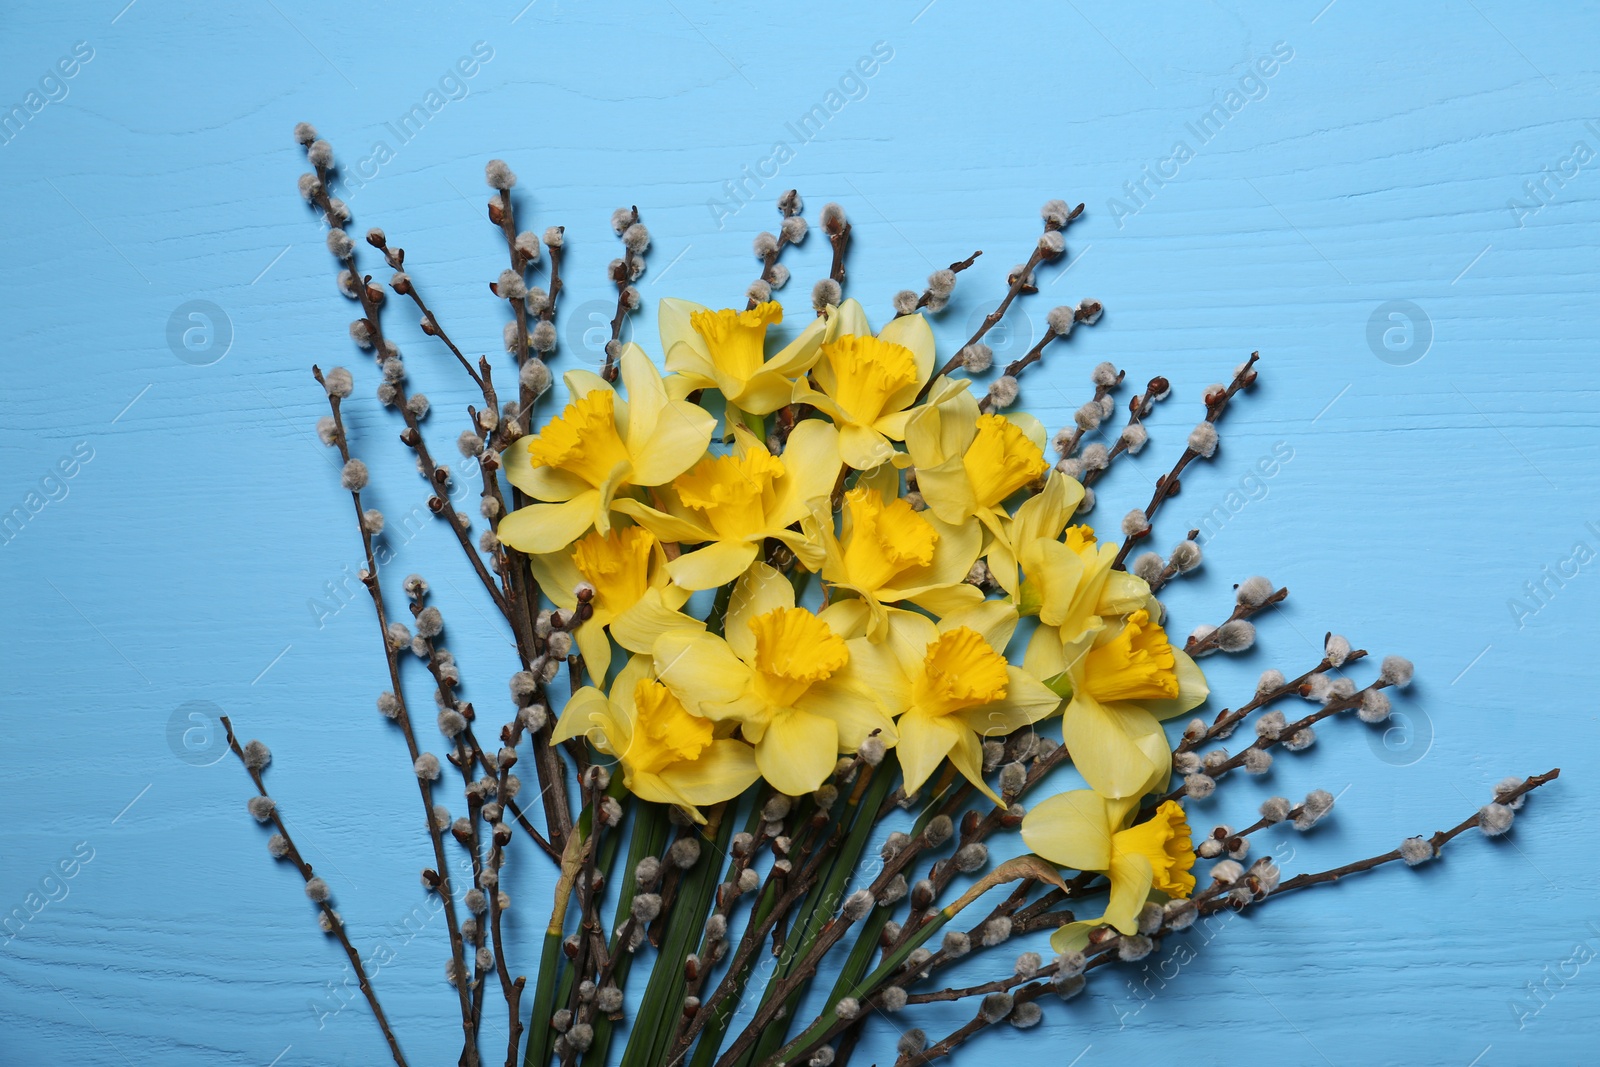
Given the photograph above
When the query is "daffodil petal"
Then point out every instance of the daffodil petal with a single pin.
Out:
(862, 447)
(541, 483)
(1131, 878)
(721, 772)
(596, 648)
(797, 356)
(1192, 688)
(798, 752)
(666, 527)
(765, 392)
(1026, 702)
(1045, 657)
(913, 332)
(637, 628)
(1104, 740)
(849, 318)
(586, 709)
(996, 620)
(925, 740)
(701, 670)
(540, 528)
(681, 433)
(856, 710)
(947, 490)
(1072, 829)
(673, 318)
(811, 466)
(718, 563)
(966, 755)
(875, 667)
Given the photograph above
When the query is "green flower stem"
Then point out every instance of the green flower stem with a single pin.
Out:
(658, 1012)
(767, 1030)
(548, 989)
(649, 839)
(544, 994)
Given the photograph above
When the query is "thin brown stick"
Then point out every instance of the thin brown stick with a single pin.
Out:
(1167, 485)
(334, 924)
(369, 578)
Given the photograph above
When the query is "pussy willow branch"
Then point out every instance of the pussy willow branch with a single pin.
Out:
(769, 261)
(464, 762)
(974, 829)
(369, 578)
(840, 240)
(1087, 313)
(1227, 720)
(551, 773)
(1438, 839)
(1017, 284)
(509, 987)
(1215, 903)
(1168, 484)
(790, 885)
(1139, 409)
(436, 476)
(1200, 646)
(334, 924)
(957, 267)
(1101, 390)
(1333, 707)
(623, 275)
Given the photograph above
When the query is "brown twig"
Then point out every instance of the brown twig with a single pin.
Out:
(1016, 284)
(1167, 485)
(929, 298)
(369, 578)
(331, 920)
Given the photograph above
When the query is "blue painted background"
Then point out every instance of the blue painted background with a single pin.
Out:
(1435, 472)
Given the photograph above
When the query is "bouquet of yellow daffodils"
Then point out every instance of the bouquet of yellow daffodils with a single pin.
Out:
(807, 626)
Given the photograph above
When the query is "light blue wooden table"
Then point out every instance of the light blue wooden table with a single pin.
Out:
(182, 543)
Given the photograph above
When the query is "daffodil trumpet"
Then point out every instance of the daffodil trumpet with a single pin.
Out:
(1087, 832)
(784, 675)
(584, 461)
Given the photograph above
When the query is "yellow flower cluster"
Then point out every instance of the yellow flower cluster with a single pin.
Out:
(891, 489)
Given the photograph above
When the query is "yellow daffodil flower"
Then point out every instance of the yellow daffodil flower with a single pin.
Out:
(726, 350)
(784, 675)
(668, 755)
(951, 686)
(1124, 680)
(1084, 831)
(596, 449)
(969, 463)
(1041, 517)
(1070, 584)
(633, 596)
(734, 502)
(867, 384)
(887, 552)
